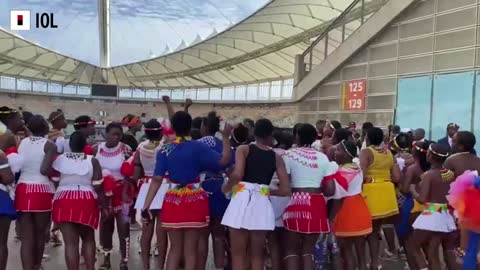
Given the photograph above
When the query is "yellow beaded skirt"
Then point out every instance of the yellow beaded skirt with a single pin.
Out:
(417, 207)
(381, 199)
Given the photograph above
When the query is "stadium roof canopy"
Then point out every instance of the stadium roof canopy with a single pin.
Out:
(260, 48)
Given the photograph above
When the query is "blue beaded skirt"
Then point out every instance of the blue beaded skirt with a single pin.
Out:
(404, 226)
(217, 200)
(6, 205)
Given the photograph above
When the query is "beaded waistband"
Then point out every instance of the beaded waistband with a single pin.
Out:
(435, 207)
(245, 186)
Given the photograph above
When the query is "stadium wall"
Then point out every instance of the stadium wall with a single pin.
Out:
(283, 115)
(431, 38)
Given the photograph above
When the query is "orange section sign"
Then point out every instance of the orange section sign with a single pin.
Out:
(354, 93)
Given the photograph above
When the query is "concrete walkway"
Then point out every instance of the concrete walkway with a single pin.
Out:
(57, 262)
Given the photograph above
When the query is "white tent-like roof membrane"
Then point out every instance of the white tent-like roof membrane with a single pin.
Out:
(259, 48)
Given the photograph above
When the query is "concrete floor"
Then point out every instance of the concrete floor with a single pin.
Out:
(57, 261)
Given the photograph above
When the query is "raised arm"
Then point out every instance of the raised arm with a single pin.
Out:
(227, 149)
(188, 103)
(168, 103)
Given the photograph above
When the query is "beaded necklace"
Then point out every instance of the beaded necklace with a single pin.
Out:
(182, 139)
(111, 152)
(350, 165)
(447, 175)
(74, 156)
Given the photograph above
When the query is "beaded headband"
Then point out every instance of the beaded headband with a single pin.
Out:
(8, 112)
(418, 148)
(397, 146)
(152, 129)
(3, 128)
(436, 153)
(91, 122)
(131, 123)
(346, 150)
(56, 117)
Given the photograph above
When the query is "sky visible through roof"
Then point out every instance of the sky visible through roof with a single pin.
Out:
(140, 29)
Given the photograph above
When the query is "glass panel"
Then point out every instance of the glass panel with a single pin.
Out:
(164, 92)
(138, 93)
(39, 86)
(24, 85)
(287, 88)
(252, 92)
(202, 94)
(7, 82)
(70, 89)
(177, 94)
(228, 93)
(240, 92)
(151, 94)
(84, 90)
(318, 53)
(263, 90)
(414, 103)
(352, 27)
(215, 94)
(476, 115)
(125, 93)
(452, 102)
(191, 93)
(276, 90)
(54, 88)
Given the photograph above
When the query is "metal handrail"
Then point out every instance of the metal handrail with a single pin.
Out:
(331, 26)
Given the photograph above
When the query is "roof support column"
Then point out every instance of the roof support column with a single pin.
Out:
(104, 32)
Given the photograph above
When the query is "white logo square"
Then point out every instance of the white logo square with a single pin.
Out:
(19, 20)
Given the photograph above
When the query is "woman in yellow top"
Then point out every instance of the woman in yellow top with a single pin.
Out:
(380, 173)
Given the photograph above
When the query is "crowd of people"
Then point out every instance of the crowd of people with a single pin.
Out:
(267, 197)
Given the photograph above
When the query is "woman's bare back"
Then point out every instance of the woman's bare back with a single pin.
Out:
(439, 185)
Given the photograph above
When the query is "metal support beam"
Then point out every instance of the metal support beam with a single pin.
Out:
(104, 32)
(381, 19)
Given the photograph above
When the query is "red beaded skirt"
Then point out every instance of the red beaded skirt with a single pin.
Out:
(33, 197)
(185, 207)
(306, 213)
(123, 195)
(76, 206)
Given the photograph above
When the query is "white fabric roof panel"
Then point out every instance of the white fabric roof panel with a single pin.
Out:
(260, 48)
